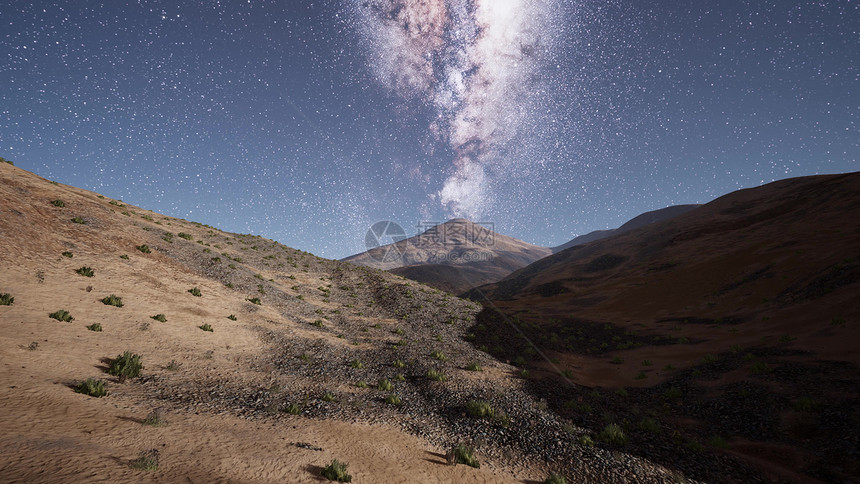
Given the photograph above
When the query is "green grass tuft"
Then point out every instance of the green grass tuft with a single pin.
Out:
(232, 317)
(254, 300)
(195, 292)
(146, 460)
(393, 399)
(474, 367)
(144, 248)
(92, 387)
(185, 236)
(555, 479)
(97, 327)
(86, 271)
(113, 300)
(62, 315)
(612, 434)
(463, 454)
(68, 254)
(79, 220)
(206, 327)
(439, 356)
(6, 299)
(435, 375)
(356, 364)
(384, 385)
(126, 365)
(58, 203)
(337, 471)
(160, 318)
(480, 409)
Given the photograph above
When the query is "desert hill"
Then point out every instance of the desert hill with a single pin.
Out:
(734, 324)
(640, 220)
(260, 363)
(454, 256)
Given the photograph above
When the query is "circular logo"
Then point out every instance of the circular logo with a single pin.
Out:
(384, 237)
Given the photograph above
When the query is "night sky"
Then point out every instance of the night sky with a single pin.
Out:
(306, 122)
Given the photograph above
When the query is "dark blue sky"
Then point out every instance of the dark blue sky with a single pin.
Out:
(308, 121)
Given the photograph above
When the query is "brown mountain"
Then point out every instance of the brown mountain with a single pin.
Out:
(454, 256)
(640, 220)
(736, 325)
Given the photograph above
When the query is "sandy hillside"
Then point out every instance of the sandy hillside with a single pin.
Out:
(288, 379)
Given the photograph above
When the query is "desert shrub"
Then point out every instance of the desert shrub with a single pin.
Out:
(398, 364)
(336, 471)
(185, 236)
(173, 365)
(155, 419)
(33, 346)
(68, 254)
(144, 248)
(97, 327)
(616, 361)
(586, 441)
(194, 291)
(6, 299)
(435, 375)
(58, 203)
(232, 317)
(384, 385)
(648, 424)
(79, 220)
(113, 300)
(807, 404)
(398, 331)
(126, 365)
(480, 409)
(328, 397)
(167, 237)
(673, 393)
(146, 460)
(91, 387)
(361, 384)
(555, 479)
(160, 318)
(86, 271)
(4, 160)
(293, 409)
(641, 376)
(62, 315)
(393, 399)
(318, 323)
(124, 256)
(206, 327)
(474, 367)
(524, 373)
(356, 364)
(612, 434)
(254, 300)
(439, 356)
(399, 377)
(760, 367)
(463, 454)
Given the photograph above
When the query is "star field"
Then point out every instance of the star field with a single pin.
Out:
(307, 122)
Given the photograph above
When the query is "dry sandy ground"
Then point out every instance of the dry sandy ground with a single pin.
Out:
(52, 434)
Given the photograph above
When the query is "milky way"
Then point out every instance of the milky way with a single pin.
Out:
(474, 62)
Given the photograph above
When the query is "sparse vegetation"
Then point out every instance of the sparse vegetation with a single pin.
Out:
(206, 327)
(68, 254)
(328, 397)
(474, 367)
(155, 419)
(232, 317)
(112, 300)
(33, 346)
(612, 434)
(124, 256)
(361, 384)
(161, 318)
(337, 471)
(146, 460)
(480, 409)
(648, 424)
(384, 385)
(97, 327)
(463, 454)
(183, 235)
(79, 220)
(58, 203)
(807, 404)
(398, 364)
(6, 299)
(62, 315)
(144, 248)
(760, 367)
(393, 399)
(194, 291)
(356, 364)
(126, 365)
(86, 271)
(91, 387)
(555, 479)
(293, 409)
(439, 356)
(254, 300)
(435, 375)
